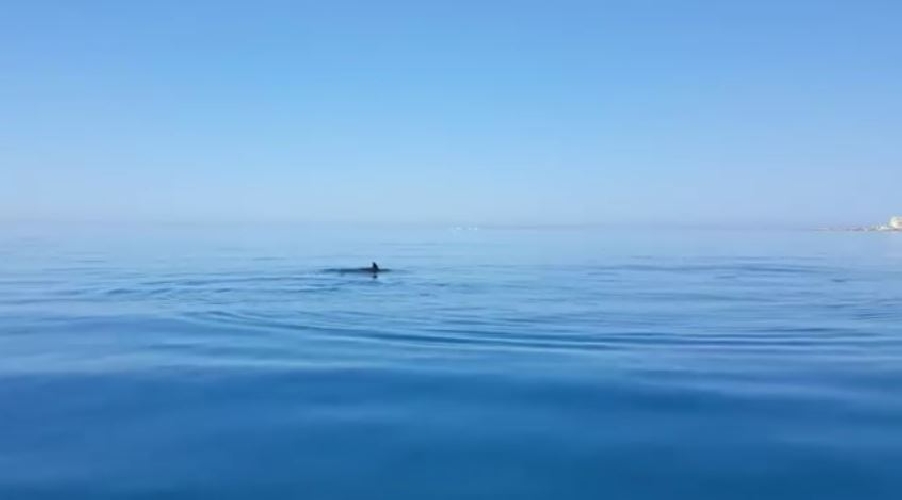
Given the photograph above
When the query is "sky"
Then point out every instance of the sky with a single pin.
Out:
(698, 112)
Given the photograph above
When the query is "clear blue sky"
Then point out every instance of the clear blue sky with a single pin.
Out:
(765, 112)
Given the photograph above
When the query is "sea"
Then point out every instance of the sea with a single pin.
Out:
(245, 362)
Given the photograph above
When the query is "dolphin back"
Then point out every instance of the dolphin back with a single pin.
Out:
(356, 270)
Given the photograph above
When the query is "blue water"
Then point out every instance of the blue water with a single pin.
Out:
(226, 362)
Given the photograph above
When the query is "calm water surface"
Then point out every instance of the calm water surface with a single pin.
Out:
(226, 363)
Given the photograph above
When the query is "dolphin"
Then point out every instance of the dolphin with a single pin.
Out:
(373, 269)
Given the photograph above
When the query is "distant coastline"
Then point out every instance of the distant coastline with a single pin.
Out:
(894, 226)
(874, 229)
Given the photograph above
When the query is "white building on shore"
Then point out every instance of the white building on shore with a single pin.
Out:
(896, 223)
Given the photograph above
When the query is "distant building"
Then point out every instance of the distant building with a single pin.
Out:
(896, 223)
